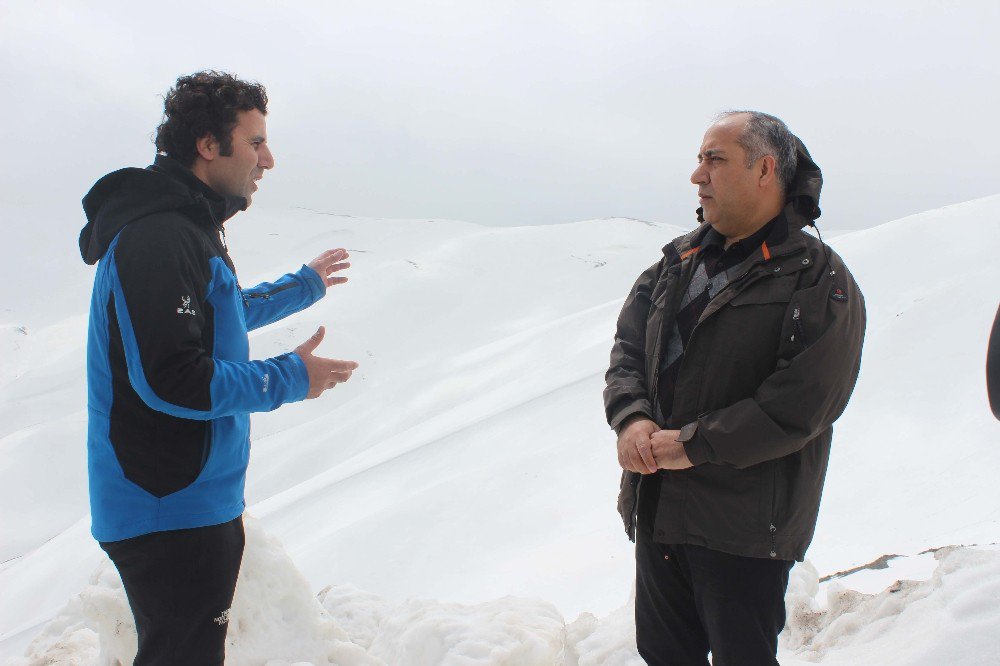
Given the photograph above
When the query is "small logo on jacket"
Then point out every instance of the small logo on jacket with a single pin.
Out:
(837, 294)
(185, 307)
(267, 381)
(222, 619)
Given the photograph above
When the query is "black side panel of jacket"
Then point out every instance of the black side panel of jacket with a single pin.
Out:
(161, 260)
(159, 453)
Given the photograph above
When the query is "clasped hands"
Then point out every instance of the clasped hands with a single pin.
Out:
(644, 448)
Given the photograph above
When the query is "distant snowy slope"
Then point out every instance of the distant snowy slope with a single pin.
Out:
(468, 458)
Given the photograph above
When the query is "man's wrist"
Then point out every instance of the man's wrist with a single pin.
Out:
(632, 418)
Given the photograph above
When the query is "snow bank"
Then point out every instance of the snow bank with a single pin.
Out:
(509, 631)
(275, 619)
(952, 618)
(606, 642)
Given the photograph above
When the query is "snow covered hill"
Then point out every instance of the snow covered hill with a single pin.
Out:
(468, 460)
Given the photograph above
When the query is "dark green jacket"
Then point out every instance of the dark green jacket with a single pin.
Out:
(768, 368)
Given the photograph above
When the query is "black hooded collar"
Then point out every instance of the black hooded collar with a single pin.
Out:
(222, 207)
(129, 194)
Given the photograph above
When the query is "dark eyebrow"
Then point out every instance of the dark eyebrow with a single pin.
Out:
(711, 153)
(262, 139)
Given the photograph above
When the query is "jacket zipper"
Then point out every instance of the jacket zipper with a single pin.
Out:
(635, 508)
(797, 329)
(268, 294)
(771, 527)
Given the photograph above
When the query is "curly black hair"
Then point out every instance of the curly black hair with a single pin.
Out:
(205, 103)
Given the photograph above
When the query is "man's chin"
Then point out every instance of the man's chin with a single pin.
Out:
(723, 229)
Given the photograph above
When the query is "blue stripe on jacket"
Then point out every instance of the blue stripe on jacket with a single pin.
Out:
(122, 509)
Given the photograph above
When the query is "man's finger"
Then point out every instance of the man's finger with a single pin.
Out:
(333, 256)
(635, 463)
(645, 450)
(309, 346)
(337, 378)
(337, 365)
(335, 280)
(338, 267)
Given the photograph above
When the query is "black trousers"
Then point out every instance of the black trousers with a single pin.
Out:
(690, 600)
(180, 586)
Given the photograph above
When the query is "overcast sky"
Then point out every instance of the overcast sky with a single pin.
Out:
(513, 112)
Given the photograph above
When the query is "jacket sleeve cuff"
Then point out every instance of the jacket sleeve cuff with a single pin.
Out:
(316, 284)
(695, 446)
(636, 408)
(298, 374)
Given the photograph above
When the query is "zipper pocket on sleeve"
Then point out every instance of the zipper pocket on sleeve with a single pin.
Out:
(268, 294)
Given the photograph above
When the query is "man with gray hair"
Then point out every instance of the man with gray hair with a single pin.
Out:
(734, 355)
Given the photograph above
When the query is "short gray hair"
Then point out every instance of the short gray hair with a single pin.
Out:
(765, 134)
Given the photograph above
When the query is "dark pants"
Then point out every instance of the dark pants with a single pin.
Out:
(690, 600)
(180, 586)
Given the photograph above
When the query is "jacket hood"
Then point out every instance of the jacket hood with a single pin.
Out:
(802, 205)
(129, 194)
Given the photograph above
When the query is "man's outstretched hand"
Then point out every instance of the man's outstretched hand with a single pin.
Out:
(324, 373)
(329, 263)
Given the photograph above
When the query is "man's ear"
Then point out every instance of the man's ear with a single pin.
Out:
(208, 147)
(766, 174)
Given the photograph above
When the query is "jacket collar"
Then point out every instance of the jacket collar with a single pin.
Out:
(220, 207)
(773, 233)
(130, 194)
(792, 243)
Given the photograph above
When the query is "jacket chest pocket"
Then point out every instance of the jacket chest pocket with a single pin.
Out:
(752, 321)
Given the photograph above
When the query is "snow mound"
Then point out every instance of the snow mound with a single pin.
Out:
(509, 631)
(952, 618)
(607, 642)
(275, 619)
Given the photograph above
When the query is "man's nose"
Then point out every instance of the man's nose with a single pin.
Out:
(265, 159)
(700, 175)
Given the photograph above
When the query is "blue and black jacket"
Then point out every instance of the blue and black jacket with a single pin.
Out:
(170, 381)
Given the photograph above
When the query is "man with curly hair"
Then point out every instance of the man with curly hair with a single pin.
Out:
(171, 383)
